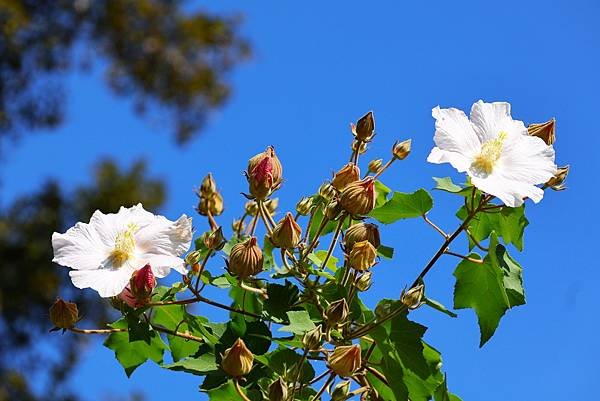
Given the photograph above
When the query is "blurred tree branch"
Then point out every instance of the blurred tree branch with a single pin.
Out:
(166, 59)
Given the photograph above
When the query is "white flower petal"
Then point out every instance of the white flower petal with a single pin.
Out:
(457, 160)
(510, 192)
(489, 119)
(108, 282)
(79, 248)
(166, 237)
(454, 133)
(162, 264)
(527, 159)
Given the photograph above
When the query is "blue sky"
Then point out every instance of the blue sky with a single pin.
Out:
(318, 66)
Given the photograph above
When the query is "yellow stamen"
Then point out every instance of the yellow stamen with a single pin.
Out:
(124, 245)
(490, 153)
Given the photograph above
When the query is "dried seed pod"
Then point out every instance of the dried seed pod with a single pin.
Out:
(375, 165)
(212, 204)
(327, 191)
(245, 259)
(337, 311)
(278, 390)
(364, 282)
(402, 149)
(361, 232)
(545, 131)
(362, 256)
(251, 208)
(364, 128)
(215, 240)
(63, 314)
(304, 206)
(412, 298)
(208, 186)
(341, 391)
(312, 339)
(557, 182)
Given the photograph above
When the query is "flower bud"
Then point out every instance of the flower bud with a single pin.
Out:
(327, 191)
(215, 240)
(237, 361)
(401, 149)
(286, 233)
(212, 203)
(337, 311)
(333, 210)
(359, 197)
(208, 186)
(557, 182)
(412, 298)
(375, 165)
(347, 174)
(304, 206)
(63, 314)
(364, 128)
(341, 391)
(264, 173)
(245, 259)
(271, 205)
(278, 390)
(139, 290)
(362, 256)
(361, 232)
(238, 226)
(193, 258)
(364, 282)
(312, 339)
(251, 208)
(345, 360)
(546, 131)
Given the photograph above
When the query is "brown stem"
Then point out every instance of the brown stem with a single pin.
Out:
(432, 224)
(322, 390)
(239, 390)
(378, 375)
(95, 331)
(316, 238)
(333, 241)
(458, 255)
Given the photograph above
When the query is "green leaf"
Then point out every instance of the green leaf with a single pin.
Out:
(382, 193)
(385, 251)
(403, 206)
(283, 360)
(268, 260)
(224, 392)
(299, 322)
(201, 366)
(438, 306)
(281, 298)
(446, 184)
(442, 393)
(508, 223)
(171, 317)
(132, 354)
(490, 288)
(318, 257)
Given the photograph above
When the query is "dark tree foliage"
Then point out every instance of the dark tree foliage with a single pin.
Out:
(30, 281)
(167, 60)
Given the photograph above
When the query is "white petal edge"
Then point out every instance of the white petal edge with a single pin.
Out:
(454, 132)
(108, 282)
(79, 248)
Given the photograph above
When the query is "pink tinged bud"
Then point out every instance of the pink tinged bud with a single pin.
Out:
(358, 198)
(264, 173)
(139, 290)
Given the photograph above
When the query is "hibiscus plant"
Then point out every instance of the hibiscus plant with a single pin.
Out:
(297, 328)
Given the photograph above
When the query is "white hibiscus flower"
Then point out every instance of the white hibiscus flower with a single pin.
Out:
(104, 253)
(494, 150)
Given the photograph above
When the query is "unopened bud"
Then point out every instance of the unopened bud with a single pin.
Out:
(375, 165)
(362, 256)
(215, 240)
(304, 206)
(359, 197)
(364, 282)
(402, 149)
(327, 191)
(238, 226)
(341, 391)
(412, 298)
(333, 210)
(245, 259)
(545, 131)
(286, 233)
(212, 204)
(208, 186)
(312, 339)
(193, 258)
(139, 290)
(337, 311)
(364, 128)
(264, 174)
(347, 174)
(251, 208)
(361, 232)
(345, 360)
(557, 182)
(271, 205)
(237, 361)
(278, 390)
(63, 314)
